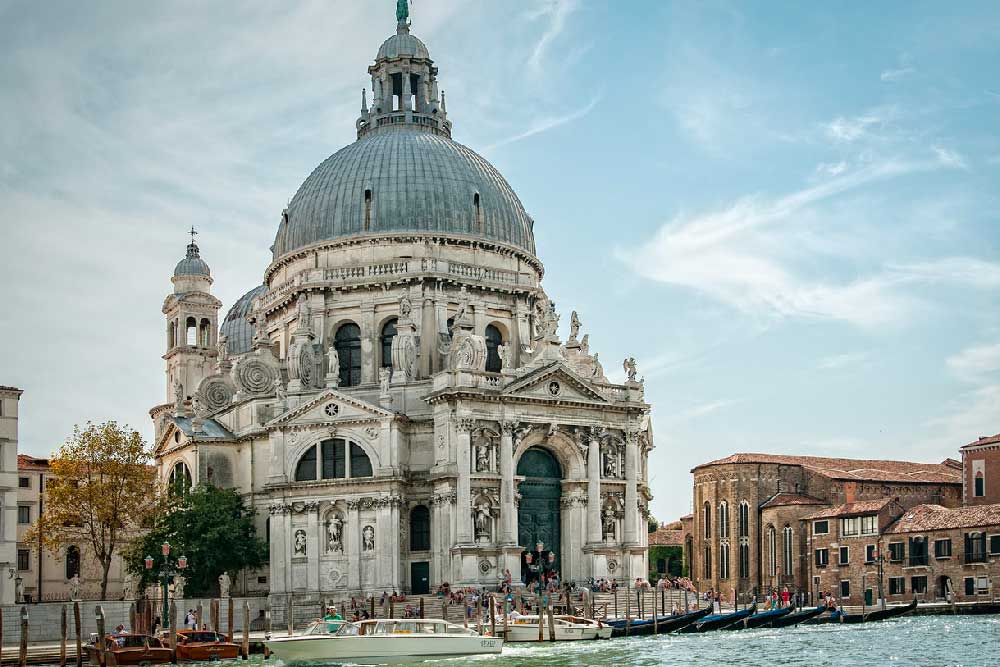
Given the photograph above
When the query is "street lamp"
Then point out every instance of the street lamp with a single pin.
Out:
(167, 570)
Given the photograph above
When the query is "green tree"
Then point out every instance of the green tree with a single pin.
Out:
(211, 526)
(98, 493)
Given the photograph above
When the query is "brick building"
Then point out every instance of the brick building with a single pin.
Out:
(926, 552)
(981, 471)
(746, 530)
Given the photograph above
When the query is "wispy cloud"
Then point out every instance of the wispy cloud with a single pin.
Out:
(976, 364)
(851, 129)
(949, 157)
(891, 75)
(699, 411)
(540, 125)
(839, 361)
(738, 256)
(556, 12)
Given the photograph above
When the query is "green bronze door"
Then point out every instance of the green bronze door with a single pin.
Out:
(538, 514)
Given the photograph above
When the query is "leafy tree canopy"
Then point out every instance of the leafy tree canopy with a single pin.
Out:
(212, 527)
(99, 493)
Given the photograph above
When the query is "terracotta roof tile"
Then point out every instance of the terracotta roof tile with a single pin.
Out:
(851, 509)
(986, 440)
(935, 517)
(786, 498)
(25, 462)
(854, 469)
(666, 537)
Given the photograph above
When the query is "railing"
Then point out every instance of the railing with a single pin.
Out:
(974, 557)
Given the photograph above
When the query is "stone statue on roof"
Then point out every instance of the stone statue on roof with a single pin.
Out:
(402, 10)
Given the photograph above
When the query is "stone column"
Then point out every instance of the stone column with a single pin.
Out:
(508, 516)
(594, 531)
(631, 489)
(278, 550)
(313, 538)
(464, 480)
(368, 336)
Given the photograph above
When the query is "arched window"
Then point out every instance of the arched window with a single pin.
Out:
(305, 471)
(744, 560)
(743, 529)
(661, 565)
(368, 210)
(171, 334)
(420, 528)
(494, 339)
(724, 561)
(786, 551)
(205, 333)
(388, 333)
(708, 562)
(191, 332)
(772, 551)
(707, 518)
(180, 478)
(450, 325)
(333, 459)
(479, 212)
(723, 519)
(72, 561)
(979, 485)
(347, 342)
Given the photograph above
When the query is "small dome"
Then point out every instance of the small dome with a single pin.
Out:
(237, 330)
(192, 265)
(402, 45)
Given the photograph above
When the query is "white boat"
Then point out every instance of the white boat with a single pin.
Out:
(381, 641)
(524, 628)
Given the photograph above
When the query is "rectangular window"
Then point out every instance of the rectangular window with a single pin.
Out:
(869, 525)
(262, 580)
(870, 553)
(845, 555)
(361, 465)
(970, 586)
(896, 552)
(982, 585)
(23, 514)
(918, 551)
(24, 482)
(897, 585)
(845, 589)
(942, 548)
(822, 557)
(849, 527)
(918, 584)
(994, 544)
(821, 527)
(23, 556)
(980, 486)
(975, 547)
(334, 460)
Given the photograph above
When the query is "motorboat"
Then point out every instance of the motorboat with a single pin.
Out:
(128, 649)
(384, 640)
(194, 645)
(525, 628)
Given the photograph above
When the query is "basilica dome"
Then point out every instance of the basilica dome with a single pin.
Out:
(402, 44)
(404, 179)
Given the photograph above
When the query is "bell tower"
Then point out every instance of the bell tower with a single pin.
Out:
(192, 319)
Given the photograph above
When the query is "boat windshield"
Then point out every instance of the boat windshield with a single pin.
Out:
(325, 627)
(134, 641)
(347, 630)
(203, 637)
(411, 627)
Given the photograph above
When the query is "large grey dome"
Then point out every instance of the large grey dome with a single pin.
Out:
(402, 44)
(404, 179)
(237, 330)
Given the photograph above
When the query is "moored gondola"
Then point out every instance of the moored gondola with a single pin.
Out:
(796, 618)
(720, 621)
(663, 623)
(872, 616)
(761, 619)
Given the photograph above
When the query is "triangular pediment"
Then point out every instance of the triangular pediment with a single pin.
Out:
(555, 382)
(331, 405)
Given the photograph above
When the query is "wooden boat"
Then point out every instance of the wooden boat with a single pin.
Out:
(664, 624)
(761, 619)
(129, 649)
(194, 645)
(382, 641)
(796, 618)
(839, 616)
(720, 621)
(524, 628)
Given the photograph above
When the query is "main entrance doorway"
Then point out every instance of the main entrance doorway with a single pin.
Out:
(538, 514)
(420, 578)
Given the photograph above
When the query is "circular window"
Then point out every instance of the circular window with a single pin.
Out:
(554, 388)
(331, 409)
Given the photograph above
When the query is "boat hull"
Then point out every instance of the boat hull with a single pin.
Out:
(131, 656)
(200, 652)
(720, 621)
(381, 648)
(794, 619)
(664, 624)
(528, 632)
(761, 619)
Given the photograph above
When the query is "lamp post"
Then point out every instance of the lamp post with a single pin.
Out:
(167, 569)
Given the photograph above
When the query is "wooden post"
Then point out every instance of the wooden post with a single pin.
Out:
(392, 608)
(99, 617)
(131, 618)
(465, 614)
(22, 658)
(541, 621)
(63, 631)
(656, 617)
(616, 603)
(371, 604)
(493, 616)
(173, 631)
(421, 607)
(245, 639)
(686, 608)
(199, 614)
(267, 628)
(291, 621)
(229, 620)
(79, 640)
(506, 612)
(628, 610)
(444, 609)
(640, 600)
(552, 621)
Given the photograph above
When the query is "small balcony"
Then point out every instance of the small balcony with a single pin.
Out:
(974, 557)
(917, 561)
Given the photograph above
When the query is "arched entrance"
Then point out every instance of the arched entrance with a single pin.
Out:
(538, 514)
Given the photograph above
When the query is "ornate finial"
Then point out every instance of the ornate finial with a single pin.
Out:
(192, 232)
(192, 249)
(402, 11)
(364, 101)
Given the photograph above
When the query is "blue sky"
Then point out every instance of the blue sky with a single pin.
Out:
(787, 212)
